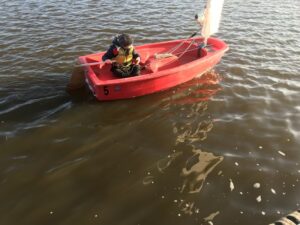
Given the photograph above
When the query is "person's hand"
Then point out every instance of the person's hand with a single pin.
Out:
(108, 61)
(137, 60)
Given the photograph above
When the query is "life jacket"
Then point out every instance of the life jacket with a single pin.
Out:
(124, 57)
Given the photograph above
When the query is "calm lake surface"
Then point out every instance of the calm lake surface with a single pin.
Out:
(221, 149)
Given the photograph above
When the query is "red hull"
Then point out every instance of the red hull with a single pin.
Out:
(168, 72)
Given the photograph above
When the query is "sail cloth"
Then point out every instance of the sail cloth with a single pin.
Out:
(212, 17)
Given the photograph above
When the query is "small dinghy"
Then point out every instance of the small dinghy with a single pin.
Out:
(164, 64)
(160, 70)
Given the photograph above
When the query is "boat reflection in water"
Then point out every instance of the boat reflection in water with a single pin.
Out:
(200, 89)
(183, 172)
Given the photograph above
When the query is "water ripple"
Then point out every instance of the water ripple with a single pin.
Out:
(247, 112)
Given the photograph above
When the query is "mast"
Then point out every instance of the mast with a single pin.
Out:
(211, 18)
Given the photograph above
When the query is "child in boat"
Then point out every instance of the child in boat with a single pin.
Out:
(123, 57)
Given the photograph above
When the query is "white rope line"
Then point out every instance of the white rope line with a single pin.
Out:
(192, 42)
(177, 46)
(183, 52)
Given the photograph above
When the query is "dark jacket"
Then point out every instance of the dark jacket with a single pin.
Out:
(113, 50)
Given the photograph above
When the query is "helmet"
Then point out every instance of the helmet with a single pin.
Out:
(125, 40)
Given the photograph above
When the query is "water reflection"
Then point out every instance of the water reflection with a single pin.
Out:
(163, 164)
(186, 173)
(99, 153)
(198, 90)
(198, 167)
(183, 173)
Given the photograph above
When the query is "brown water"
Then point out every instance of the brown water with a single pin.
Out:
(189, 155)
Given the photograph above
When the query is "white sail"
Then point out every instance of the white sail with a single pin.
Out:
(212, 17)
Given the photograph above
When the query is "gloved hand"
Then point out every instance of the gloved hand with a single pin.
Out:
(137, 61)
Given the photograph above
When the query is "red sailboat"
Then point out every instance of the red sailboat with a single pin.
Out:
(165, 64)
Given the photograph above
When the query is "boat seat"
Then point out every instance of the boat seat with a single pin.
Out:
(154, 64)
